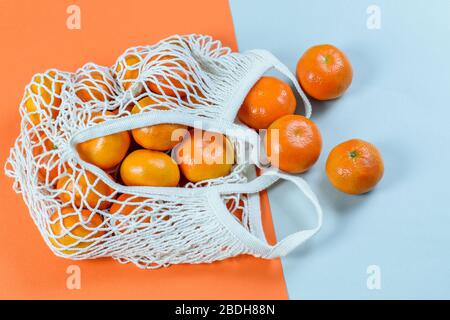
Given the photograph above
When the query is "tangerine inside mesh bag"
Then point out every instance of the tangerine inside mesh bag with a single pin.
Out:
(78, 201)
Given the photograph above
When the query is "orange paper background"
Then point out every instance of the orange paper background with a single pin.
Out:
(34, 38)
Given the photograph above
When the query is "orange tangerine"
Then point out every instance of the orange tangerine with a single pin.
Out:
(354, 166)
(69, 230)
(149, 168)
(293, 143)
(93, 84)
(160, 137)
(269, 99)
(43, 96)
(127, 70)
(170, 82)
(85, 186)
(205, 155)
(324, 72)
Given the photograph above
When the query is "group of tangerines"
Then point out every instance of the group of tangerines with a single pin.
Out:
(293, 143)
(142, 157)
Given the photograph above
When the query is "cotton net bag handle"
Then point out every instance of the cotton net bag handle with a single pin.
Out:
(258, 245)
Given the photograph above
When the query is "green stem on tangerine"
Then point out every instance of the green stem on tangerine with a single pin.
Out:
(353, 154)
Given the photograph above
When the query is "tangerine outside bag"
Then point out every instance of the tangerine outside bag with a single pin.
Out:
(191, 80)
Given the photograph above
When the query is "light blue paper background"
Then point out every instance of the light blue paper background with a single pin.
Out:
(399, 100)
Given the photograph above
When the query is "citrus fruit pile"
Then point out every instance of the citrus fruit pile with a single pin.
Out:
(144, 156)
(103, 175)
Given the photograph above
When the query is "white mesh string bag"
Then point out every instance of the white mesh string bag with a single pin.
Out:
(191, 80)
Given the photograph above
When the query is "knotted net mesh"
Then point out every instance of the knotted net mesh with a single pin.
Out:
(83, 212)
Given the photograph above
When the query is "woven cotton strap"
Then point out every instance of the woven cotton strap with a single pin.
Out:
(257, 245)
